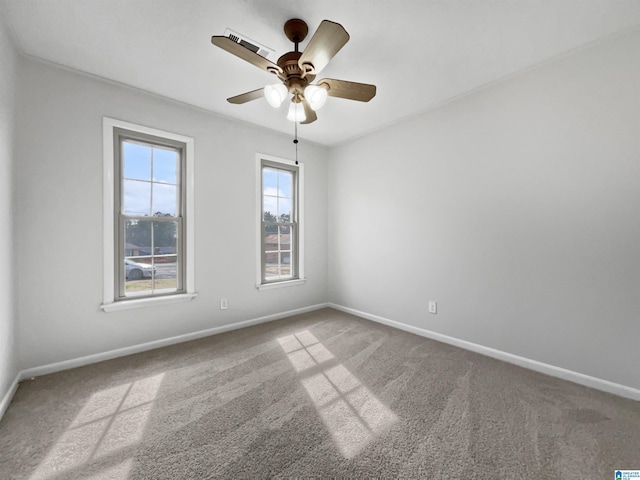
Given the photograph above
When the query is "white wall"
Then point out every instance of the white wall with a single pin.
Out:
(59, 200)
(8, 321)
(515, 207)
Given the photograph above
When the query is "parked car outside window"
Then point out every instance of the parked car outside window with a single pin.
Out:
(137, 271)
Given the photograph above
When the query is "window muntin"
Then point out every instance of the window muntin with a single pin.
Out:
(279, 222)
(149, 215)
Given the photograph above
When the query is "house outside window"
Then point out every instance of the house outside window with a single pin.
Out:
(281, 262)
(148, 216)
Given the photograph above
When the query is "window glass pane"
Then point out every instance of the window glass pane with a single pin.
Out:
(284, 210)
(137, 238)
(166, 278)
(136, 161)
(269, 181)
(138, 270)
(165, 260)
(272, 264)
(165, 235)
(165, 199)
(278, 253)
(270, 194)
(277, 195)
(270, 209)
(165, 165)
(269, 217)
(285, 264)
(150, 263)
(285, 237)
(271, 239)
(285, 250)
(139, 275)
(285, 183)
(272, 270)
(136, 198)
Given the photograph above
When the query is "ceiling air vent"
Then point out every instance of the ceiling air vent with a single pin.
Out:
(261, 50)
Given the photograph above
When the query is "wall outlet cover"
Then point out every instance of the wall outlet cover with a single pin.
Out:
(433, 307)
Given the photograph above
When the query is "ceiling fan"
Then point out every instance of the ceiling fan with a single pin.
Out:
(297, 70)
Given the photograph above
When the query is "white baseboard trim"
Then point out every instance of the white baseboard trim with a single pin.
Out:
(121, 352)
(6, 400)
(558, 372)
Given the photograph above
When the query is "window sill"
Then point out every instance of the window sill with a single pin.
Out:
(147, 302)
(286, 283)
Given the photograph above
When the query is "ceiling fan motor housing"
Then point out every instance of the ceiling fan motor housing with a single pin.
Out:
(292, 73)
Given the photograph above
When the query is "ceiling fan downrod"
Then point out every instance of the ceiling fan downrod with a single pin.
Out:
(296, 31)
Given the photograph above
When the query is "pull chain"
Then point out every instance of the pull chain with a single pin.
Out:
(295, 140)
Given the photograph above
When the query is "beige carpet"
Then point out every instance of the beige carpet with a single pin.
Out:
(320, 395)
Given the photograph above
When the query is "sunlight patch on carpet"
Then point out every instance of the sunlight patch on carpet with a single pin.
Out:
(111, 420)
(351, 413)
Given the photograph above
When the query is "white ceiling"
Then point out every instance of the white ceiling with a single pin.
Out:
(419, 53)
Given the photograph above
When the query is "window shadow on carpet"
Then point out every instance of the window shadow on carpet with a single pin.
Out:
(351, 413)
(112, 420)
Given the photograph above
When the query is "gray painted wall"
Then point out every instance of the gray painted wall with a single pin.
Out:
(59, 223)
(8, 320)
(514, 207)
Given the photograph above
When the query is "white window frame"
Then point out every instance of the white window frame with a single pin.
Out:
(109, 303)
(299, 207)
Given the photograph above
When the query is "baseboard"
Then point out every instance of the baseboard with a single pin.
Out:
(6, 400)
(121, 352)
(575, 377)
(569, 375)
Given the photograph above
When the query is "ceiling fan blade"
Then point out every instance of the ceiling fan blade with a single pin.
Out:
(328, 39)
(247, 97)
(362, 92)
(308, 111)
(245, 54)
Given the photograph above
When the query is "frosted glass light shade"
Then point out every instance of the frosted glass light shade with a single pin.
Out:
(296, 112)
(275, 94)
(316, 96)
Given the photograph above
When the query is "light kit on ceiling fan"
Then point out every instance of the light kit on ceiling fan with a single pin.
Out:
(297, 70)
(296, 112)
(316, 95)
(275, 94)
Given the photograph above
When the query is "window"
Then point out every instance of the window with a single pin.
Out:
(148, 218)
(280, 211)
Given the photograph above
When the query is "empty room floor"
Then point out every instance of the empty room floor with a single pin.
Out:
(323, 394)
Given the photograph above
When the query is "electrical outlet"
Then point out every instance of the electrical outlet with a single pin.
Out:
(223, 304)
(433, 307)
